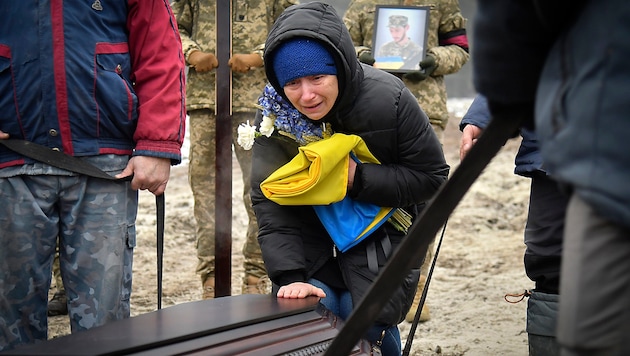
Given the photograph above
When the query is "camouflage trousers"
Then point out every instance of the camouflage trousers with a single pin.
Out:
(202, 177)
(95, 223)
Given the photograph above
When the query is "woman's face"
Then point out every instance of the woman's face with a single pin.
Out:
(314, 95)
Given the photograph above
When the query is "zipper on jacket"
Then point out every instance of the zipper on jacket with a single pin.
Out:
(334, 251)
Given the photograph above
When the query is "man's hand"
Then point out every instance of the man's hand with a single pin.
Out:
(242, 63)
(299, 290)
(149, 173)
(427, 67)
(3, 135)
(202, 61)
(470, 135)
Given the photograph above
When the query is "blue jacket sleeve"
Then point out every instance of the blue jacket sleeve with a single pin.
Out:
(478, 113)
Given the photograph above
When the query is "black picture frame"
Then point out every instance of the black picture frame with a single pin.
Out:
(412, 23)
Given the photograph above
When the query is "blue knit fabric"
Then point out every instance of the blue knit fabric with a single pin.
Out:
(301, 57)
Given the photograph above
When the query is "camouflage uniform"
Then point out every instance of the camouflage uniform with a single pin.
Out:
(450, 50)
(196, 21)
(95, 246)
(445, 20)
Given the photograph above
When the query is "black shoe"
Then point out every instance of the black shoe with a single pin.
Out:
(58, 305)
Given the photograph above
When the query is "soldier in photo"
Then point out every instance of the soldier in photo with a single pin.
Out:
(401, 44)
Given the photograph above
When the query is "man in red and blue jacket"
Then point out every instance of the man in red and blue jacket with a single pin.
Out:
(105, 82)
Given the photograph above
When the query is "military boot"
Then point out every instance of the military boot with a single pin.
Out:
(207, 287)
(58, 305)
(424, 315)
(256, 285)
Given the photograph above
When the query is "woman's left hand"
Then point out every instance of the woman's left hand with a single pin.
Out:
(299, 290)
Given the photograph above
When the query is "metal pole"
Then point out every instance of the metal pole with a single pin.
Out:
(160, 207)
(223, 199)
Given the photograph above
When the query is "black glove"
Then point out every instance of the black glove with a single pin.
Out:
(427, 67)
(367, 58)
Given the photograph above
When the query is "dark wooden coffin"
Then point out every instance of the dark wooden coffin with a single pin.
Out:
(236, 325)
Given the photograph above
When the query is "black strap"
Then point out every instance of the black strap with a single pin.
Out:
(386, 244)
(57, 159)
(422, 232)
(73, 164)
(372, 256)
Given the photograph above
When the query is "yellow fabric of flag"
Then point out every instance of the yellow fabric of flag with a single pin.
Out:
(318, 174)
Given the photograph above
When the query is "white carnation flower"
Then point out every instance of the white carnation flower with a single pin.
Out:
(266, 126)
(246, 135)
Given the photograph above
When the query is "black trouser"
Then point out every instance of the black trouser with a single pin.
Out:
(543, 233)
(543, 238)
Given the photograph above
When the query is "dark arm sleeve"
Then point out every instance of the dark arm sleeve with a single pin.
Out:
(420, 167)
(478, 113)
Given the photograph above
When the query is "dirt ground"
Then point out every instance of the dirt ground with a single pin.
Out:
(480, 261)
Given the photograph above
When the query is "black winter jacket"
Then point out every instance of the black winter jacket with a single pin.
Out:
(378, 107)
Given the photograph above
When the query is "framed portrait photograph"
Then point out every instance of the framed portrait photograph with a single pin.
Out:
(400, 37)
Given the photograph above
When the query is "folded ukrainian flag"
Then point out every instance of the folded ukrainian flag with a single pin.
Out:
(318, 176)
